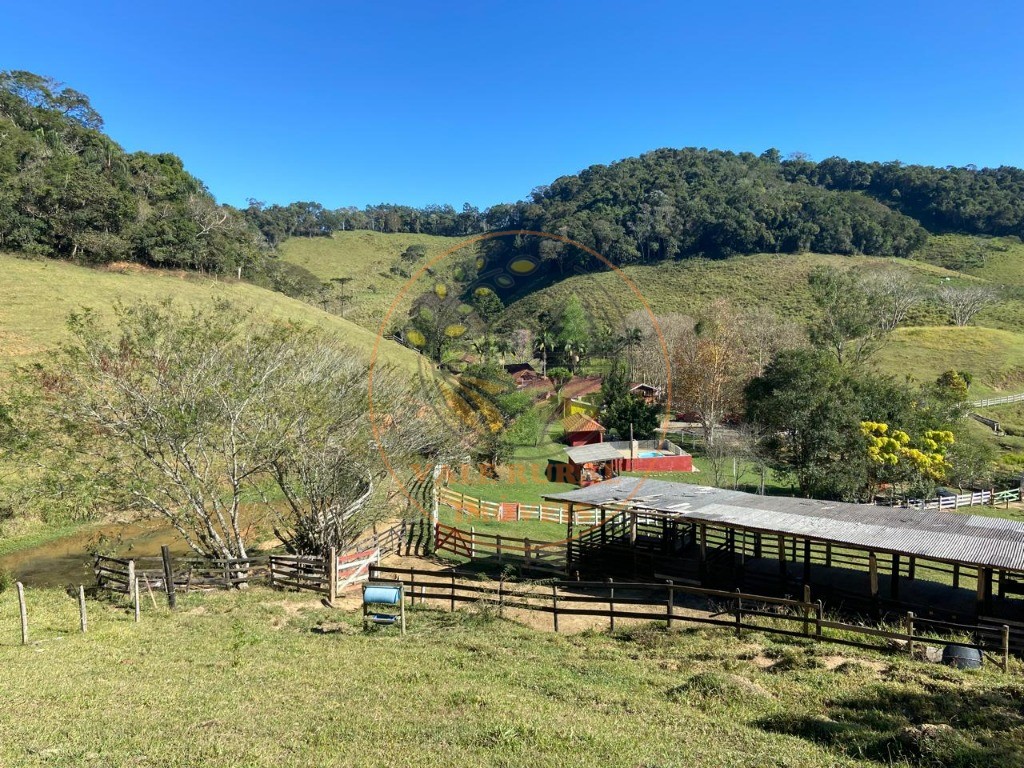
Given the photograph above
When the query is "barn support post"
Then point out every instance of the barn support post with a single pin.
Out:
(980, 594)
(702, 531)
(807, 563)
(894, 579)
(956, 575)
(757, 546)
(873, 579)
(632, 528)
(828, 554)
(782, 558)
(911, 567)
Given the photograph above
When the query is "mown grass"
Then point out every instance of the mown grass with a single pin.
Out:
(37, 295)
(243, 679)
(365, 259)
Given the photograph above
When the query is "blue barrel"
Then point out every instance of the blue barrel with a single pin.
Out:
(382, 595)
(961, 657)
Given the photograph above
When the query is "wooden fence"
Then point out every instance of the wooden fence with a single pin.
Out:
(528, 554)
(956, 501)
(1005, 399)
(514, 510)
(116, 574)
(666, 601)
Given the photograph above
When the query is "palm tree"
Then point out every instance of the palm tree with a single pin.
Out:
(544, 343)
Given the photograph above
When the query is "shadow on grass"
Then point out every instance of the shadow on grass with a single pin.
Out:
(941, 725)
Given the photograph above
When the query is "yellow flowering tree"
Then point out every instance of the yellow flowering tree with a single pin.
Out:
(894, 455)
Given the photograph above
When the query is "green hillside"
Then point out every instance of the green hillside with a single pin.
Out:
(36, 297)
(778, 281)
(365, 259)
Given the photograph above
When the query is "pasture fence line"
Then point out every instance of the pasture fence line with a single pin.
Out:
(506, 511)
(1004, 400)
(665, 601)
(956, 501)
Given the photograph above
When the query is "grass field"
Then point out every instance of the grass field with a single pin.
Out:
(37, 295)
(995, 358)
(365, 259)
(243, 679)
(778, 281)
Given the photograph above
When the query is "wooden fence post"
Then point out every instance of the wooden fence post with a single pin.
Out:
(554, 605)
(611, 605)
(817, 619)
(451, 596)
(23, 611)
(332, 575)
(526, 551)
(83, 620)
(172, 600)
(739, 614)
(472, 542)
(671, 601)
(807, 608)
(1006, 647)
(910, 633)
(501, 597)
(137, 603)
(497, 545)
(131, 577)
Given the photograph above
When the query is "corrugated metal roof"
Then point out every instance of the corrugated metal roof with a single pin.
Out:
(948, 536)
(582, 454)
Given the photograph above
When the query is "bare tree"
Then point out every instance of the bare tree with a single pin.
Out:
(893, 294)
(182, 413)
(710, 369)
(764, 333)
(966, 301)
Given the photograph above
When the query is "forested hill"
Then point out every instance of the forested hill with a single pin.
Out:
(69, 191)
(673, 203)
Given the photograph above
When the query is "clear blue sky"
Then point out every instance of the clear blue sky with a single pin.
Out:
(419, 102)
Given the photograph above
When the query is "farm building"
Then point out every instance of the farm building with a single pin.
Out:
(580, 429)
(647, 392)
(935, 563)
(589, 464)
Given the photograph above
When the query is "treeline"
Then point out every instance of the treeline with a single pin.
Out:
(672, 204)
(310, 219)
(68, 191)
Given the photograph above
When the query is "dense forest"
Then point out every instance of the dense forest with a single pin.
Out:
(69, 191)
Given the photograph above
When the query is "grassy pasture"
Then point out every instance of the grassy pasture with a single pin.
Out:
(365, 259)
(243, 679)
(37, 295)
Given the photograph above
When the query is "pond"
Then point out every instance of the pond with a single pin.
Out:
(67, 560)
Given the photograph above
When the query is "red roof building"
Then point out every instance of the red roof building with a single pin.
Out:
(580, 429)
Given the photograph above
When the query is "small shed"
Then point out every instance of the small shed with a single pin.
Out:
(580, 429)
(590, 464)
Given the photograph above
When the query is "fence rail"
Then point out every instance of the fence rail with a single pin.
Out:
(990, 401)
(528, 553)
(955, 501)
(514, 510)
(664, 601)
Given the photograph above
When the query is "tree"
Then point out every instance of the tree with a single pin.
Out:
(847, 324)
(965, 301)
(573, 331)
(624, 413)
(710, 369)
(559, 377)
(893, 295)
(182, 413)
(805, 405)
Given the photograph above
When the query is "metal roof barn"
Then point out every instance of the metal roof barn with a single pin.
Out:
(951, 537)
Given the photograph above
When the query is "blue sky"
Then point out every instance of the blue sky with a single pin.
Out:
(420, 102)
